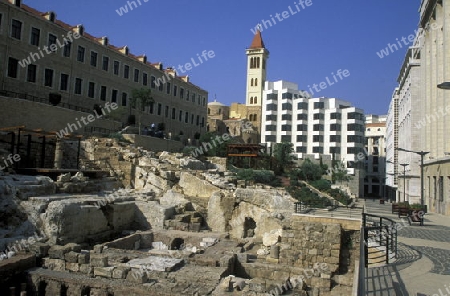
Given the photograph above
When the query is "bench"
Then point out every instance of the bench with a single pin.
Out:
(403, 211)
(415, 216)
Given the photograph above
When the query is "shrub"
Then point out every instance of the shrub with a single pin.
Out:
(322, 185)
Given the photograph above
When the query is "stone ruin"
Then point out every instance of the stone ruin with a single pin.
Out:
(181, 227)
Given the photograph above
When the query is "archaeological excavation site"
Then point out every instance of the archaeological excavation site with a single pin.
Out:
(129, 221)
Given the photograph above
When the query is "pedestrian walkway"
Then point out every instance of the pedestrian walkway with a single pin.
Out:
(423, 260)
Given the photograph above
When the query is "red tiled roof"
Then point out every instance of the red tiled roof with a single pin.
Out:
(257, 41)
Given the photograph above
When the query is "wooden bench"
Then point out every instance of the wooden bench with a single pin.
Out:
(403, 211)
(415, 216)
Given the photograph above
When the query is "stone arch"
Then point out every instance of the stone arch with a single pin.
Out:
(176, 244)
(249, 227)
(86, 291)
(41, 288)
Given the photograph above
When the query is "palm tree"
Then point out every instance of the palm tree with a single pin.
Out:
(141, 98)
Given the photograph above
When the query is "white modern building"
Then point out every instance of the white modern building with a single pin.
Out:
(316, 126)
(391, 145)
(376, 156)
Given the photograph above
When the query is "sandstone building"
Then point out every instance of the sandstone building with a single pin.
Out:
(43, 55)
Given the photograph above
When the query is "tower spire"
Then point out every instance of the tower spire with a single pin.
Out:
(257, 41)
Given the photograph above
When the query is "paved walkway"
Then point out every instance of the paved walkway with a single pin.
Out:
(423, 264)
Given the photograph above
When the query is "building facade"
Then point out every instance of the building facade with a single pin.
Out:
(391, 148)
(435, 119)
(316, 126)
(374, 181)
(44, 56)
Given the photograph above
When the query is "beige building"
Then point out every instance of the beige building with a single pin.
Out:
(435, 132)
(374, 181)
(44, 55)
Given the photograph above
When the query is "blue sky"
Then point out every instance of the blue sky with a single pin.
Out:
(304, 48)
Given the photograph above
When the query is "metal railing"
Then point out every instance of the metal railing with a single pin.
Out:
(380, 231)
(32, 98)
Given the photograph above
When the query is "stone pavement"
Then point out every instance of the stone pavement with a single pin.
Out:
(423, 263)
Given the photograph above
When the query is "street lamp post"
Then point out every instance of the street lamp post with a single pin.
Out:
(404, 180)
(422, 154)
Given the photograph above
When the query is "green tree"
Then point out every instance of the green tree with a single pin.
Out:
(246, 175)
(284, 155)
(311, 171)
(339, 173)
(140, 98)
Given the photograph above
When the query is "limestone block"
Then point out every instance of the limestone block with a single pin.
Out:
(87, 269)
(195, 187)
(97, 260)
(120, 272)
(73, 267)
(84, 258)
(41, 249)
(220, 210)
(58, 252)
(71, 257)
(54, 264)
(105, 272)
(192, 164)
(137, 276)
(272, 237)
(242, 257)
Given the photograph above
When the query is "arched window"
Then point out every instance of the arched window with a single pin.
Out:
(252, 63)
(251, 83)
(256, 81)
(251, 100)
(257, 62)
(255, 117)
(255, 100)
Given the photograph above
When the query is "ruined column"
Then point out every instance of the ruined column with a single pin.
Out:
(58, 154)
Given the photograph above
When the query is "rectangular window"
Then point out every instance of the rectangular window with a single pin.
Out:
(300, 149)
(302, 106)
(193, 97)
(335, 138)
(335, 127)
(52, 40)
(16, 29)
(286, 96)
(64, 83)
(285, 138)
(336, 150)
(103, 93)
(80, 54)
(271, 138)
(317, 138)
(302, 127)
(192, 118)
(318, 150)
(271, 128)
(159, 109)
(105, 64)
(126, 72)
(152, 81)
(67, 49)
(35, 36)
(151, 107)
(180, 116)
(187, 95)
(13, 67)
(319, 116)
(271, 107)
(136, 75)
(186, 117)
(168, 88)
(78, 86)
(286, 117)
(286, 106)
(173, 113)
(271, 117)
(116, 67)
(302, 116)
(181, 93)
(114, 94)
(124, 99)
(302, 138)
(335, 115)
(318, 127)
(31, 73)
(197, 122)
(166, 111)
(272, 97)
(94, 59)
(319, 105)
(175, 90)
(91, 90)
(48, 77)
(144, 79)
(286, 127)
